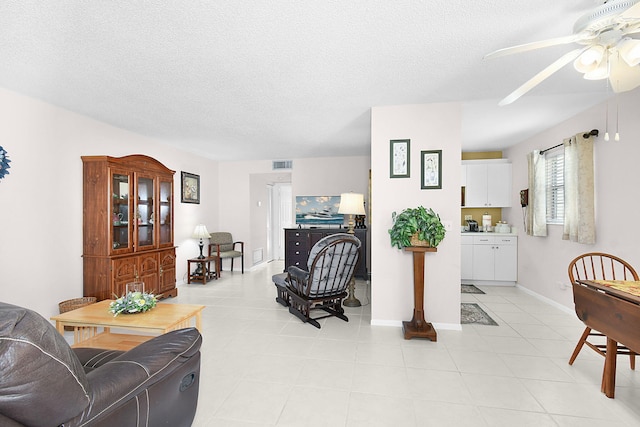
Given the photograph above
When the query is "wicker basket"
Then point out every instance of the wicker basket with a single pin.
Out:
(72, 304)
(415, 241)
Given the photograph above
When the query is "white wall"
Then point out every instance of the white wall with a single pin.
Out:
(242, 216)
(543, 261)
(429, 127)
(41, 198)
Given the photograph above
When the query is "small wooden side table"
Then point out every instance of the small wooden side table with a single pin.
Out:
(207, 273)
(418, 327)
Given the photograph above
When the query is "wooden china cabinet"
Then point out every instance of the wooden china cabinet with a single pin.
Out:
(127, 226)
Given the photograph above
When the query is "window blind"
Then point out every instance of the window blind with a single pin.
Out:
(555, 185)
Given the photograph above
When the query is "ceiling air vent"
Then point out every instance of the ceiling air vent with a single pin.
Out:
(282, 164)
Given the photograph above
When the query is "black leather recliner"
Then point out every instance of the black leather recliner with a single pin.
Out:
(44, 382)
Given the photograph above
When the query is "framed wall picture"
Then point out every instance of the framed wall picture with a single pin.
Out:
(399, 158)
(431, 163)
(318, 210)
(190, 188)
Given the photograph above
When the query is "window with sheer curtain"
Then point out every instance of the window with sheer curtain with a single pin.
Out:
(535, 214)
(579, 206)
(561, 190)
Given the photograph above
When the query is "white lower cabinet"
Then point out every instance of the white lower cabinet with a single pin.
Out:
(493, 257)
(467, 258)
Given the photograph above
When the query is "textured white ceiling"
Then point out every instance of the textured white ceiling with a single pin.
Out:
(290, 78)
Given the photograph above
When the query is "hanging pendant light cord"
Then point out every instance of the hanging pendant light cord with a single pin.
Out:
(606, 123)
(617, 135)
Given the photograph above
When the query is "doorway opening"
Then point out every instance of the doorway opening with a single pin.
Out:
(280, 217)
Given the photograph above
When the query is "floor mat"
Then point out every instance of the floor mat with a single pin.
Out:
(470, 289)
(472, 313)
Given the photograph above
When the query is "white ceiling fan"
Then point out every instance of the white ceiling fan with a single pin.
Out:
(608, 49)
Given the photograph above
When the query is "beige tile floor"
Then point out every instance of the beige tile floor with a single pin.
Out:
(261, 366)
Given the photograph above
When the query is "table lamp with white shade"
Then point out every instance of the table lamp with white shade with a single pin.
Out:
(200, 232)
(351, 204)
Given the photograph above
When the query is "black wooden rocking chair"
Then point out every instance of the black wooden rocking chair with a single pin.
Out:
(332, 262)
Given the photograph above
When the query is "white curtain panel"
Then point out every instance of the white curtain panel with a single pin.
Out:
(536, 221)
(579, 210)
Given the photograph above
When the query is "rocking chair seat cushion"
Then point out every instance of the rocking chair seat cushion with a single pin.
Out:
(280, 279)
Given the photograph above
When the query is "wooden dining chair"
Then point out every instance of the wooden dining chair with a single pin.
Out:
(600, 266)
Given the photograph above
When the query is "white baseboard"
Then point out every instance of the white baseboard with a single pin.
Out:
(488, 282)
(398, 324)
(448, 326)
(547, 300)
(394, 323)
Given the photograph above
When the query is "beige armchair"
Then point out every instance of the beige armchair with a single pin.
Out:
(221, 244)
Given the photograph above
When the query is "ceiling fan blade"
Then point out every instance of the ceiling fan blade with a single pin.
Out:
(536, 45)
(538, 78)
(635, 29)
(632, 13)
(622, 77)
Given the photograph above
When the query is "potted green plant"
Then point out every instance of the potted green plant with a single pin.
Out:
(416, 224)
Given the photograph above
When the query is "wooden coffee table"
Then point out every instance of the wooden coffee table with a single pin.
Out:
(163, 318)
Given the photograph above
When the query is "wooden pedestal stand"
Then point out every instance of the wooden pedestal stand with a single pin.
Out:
(418, 327)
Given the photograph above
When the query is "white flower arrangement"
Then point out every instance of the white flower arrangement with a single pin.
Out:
(133, 302)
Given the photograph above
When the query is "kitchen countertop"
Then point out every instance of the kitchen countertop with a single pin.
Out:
(482, 233)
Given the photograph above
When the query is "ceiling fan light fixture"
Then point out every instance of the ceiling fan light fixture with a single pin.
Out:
(593, 55)
(600, 72)
(583, 68)
(629, 51)
(590, 59)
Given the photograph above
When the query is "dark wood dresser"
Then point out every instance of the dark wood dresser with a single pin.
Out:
(299, 241)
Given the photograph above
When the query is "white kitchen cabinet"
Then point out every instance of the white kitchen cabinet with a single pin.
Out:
(467, 258)
(506, 260)
(495, 257)
(487, 184)
(463, 175)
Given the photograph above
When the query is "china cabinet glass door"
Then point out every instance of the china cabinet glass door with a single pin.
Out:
(145, 212)
(166, 213)
(120, 186)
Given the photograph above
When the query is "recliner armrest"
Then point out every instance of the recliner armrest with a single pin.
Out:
(8, 422)
(137, 369)
(93, 358)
